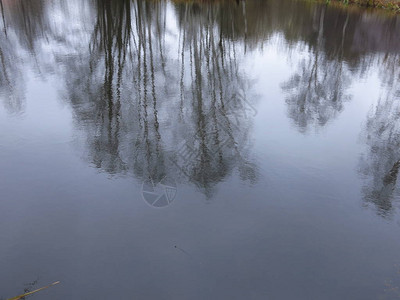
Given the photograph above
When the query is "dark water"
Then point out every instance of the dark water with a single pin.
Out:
(162, 150)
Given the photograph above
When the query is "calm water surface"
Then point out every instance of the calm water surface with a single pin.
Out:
(163, 150)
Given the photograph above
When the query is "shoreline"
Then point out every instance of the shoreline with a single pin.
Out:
(388, 5)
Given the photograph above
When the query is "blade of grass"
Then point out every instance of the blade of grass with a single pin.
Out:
(35, 291)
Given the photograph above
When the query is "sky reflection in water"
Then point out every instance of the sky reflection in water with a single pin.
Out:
(168, 150)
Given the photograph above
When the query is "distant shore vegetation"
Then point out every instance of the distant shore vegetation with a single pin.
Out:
(392, 5)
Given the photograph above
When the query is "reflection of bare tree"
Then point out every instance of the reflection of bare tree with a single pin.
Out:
(317, 91)
(125, 95)
(382, 162)
(140, 107)
(115, 95)
(24, 25)
(95, 87)
(215, 88)
(11, 83)
(29, 20)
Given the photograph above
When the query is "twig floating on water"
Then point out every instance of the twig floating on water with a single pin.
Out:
(30, 293)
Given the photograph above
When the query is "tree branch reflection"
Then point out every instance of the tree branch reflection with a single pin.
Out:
(380, 165)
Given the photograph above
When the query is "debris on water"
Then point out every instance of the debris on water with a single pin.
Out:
(180, 249)
(35, 291)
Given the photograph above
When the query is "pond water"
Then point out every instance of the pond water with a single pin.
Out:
(176, 150)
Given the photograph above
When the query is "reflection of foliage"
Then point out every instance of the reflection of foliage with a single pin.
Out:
(382, 163)
(317, 91)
